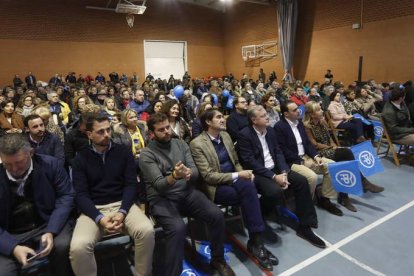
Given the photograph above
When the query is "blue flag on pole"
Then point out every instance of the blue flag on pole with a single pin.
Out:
(345, 177)
(364, 121)
(368, 160)
(378, 130)
(301, 109)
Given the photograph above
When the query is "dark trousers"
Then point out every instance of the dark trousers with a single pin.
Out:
(272, 195)
(243, 192)
(58, 258)
(345, 154)
(168, 214)
(355, 126)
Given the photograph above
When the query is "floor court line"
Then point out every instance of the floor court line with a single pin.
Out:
(336, 246)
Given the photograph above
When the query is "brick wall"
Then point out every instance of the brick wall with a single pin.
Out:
(47, 36)
(325, 39)
(60, 36)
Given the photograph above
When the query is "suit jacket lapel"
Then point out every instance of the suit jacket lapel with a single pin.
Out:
(256, 141)
(211, 151)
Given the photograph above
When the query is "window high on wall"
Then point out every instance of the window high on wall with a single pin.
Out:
(163, 58)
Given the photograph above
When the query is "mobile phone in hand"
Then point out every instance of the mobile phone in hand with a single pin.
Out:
(32, 257)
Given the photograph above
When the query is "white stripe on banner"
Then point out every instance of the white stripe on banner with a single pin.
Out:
(336, 246)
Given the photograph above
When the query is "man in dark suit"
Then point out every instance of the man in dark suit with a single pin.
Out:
(36, 199)
(30, 81)
(226, 181)
(260, 152)
(302, 156)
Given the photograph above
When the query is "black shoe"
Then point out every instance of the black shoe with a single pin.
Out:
(272, 258)
(222, 267)
(326, 204)
(344, 200)
(260, 253)
(370, 187)
(314, 225)
(306, 233)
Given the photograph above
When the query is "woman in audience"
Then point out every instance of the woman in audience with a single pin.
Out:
(109, 107)
(318, 133)
(269, 102)
(79, 104)
(160, 96)
(10, 121)
(44, 113)
(343, 120)
(131, 133)
(25, 105)
(155, 107)
(366, 100)
(179, 126)
(196, 127)
(350, 104)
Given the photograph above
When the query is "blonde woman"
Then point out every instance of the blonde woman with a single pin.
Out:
(131, 132)
(109, 106)
(318, 133)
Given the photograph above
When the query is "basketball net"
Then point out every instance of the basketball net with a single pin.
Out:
(130, 20)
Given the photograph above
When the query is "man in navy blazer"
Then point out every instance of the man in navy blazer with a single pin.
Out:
(302, 156)
(36, 199)
(259, 151)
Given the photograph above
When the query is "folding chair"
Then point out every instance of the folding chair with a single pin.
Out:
(386, 139)
(331, 127)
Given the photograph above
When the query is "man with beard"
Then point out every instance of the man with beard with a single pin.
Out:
(105, 180)
(238, 118)
(42, 140)
(169, 177)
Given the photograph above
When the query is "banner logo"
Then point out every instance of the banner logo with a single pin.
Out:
(346, 178)
(366, 159)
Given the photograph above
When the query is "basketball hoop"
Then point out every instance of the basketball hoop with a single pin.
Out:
(130, 19)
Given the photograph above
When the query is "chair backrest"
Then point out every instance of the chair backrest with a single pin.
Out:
(332, 128)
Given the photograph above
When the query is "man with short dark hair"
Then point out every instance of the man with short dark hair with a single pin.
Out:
(169, 176)
(302, 156)
(35, 206)
(105, 180)
(42, 140)
(238, 118)
(259, 151)
(226, 181)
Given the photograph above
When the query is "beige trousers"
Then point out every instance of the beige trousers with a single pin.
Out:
(310, 170)
(87, 233)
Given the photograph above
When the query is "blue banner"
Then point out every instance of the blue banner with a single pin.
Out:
(368, 160)
(364, 121)
(189, 270)
(345, 177)
(204, 251)
(301, 109)
(378, 130)
(229, 104)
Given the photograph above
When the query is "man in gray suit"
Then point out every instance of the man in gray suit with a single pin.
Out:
(226, 181)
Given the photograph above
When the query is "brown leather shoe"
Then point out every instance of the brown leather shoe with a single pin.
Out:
(222, 267)
(370, 187)
(343, 199)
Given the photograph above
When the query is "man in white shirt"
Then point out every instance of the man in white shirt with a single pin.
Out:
(302, 156)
